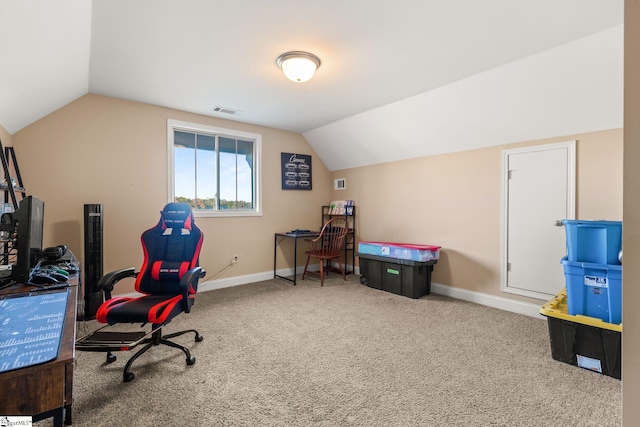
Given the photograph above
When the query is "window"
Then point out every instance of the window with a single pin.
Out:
(215, 170)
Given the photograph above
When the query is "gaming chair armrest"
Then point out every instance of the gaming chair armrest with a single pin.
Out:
(108, 281)
(190, 281)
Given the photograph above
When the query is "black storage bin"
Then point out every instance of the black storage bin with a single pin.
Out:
(398, 276)
(583, 341)
(570, 340)
(370, 272)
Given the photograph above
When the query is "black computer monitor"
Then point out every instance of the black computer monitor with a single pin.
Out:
(29, 219)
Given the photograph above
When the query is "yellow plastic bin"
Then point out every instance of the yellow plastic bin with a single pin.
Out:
(583, 341)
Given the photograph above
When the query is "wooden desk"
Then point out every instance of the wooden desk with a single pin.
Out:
(44, 390)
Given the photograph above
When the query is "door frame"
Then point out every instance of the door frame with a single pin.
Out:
(570, 147)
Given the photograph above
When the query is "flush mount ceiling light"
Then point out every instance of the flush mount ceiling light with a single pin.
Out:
(298, 66)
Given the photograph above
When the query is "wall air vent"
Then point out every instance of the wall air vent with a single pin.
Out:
(340, 184)
(225, 110)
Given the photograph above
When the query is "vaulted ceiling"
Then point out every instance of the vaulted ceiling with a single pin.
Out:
(399, 78)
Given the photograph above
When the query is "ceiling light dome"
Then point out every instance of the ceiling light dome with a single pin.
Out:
(298, 66)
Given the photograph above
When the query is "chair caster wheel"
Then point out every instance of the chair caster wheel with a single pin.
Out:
(128, 376)
(111, 358)
(199, 338)
(191, 360)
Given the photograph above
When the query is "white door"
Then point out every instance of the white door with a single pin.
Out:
(538, 191)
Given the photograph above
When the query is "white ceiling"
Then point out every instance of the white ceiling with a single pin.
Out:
(394, 73)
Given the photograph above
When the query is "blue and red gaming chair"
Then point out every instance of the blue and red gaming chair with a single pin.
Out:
(167, 282)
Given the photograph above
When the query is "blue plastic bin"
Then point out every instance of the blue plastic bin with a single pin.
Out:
(594, 290)
(595, 242)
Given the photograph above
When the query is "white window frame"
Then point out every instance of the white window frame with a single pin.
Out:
(173, 125)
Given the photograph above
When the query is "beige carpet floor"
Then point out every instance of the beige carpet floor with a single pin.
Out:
(344, 355)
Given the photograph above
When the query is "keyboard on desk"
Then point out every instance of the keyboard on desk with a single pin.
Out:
(49, 286)
(301, 231)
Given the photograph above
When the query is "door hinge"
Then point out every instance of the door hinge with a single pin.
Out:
(508, 266)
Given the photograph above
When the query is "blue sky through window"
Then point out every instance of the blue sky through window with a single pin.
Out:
(190, 164)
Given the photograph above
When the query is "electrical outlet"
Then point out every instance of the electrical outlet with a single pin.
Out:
(234, 260)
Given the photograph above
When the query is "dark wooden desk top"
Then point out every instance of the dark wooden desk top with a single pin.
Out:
(41, 388)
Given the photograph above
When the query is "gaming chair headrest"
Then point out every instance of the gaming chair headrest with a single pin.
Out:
(177, 215)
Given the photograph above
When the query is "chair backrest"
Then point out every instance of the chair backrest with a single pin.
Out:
(171, 248)
(331, 239)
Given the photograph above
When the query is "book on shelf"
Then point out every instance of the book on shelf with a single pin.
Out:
(341, 207)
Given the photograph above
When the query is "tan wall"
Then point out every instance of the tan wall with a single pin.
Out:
(454, 200)
(631, 229)
(114, 152)
(103, 150)
(5, 137)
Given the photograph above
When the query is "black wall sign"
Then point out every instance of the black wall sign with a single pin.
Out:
(296, 171)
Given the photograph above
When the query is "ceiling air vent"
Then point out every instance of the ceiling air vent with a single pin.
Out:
(225, 110)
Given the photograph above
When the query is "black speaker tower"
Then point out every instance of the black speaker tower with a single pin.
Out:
(93, 259)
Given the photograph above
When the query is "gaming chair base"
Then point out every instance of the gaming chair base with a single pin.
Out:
(124, 341)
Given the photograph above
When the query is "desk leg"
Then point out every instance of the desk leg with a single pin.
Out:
(58, 414)
(275, 252)
(67, 415)
(295, 260)
(68, 393)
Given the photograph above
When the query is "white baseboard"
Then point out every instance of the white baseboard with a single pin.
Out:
(210, 285)
(501, 303)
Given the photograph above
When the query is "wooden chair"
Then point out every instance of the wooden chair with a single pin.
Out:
(328, 245)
